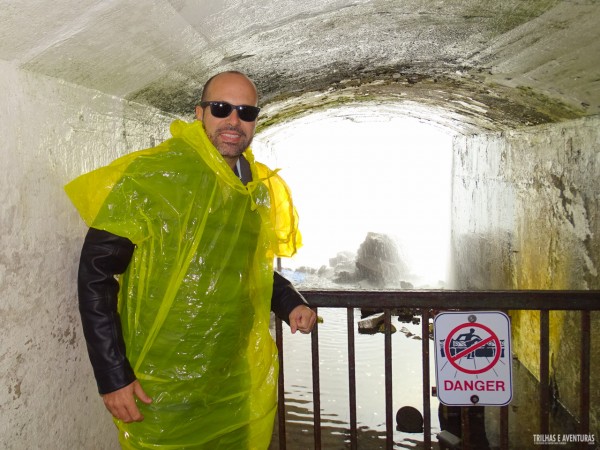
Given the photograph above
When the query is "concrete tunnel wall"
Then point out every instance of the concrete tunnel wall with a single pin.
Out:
(533, 223)
(53, 131)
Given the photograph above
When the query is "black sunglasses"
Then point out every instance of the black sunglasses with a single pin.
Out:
(221, 110)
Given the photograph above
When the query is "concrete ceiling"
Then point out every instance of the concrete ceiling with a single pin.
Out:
(467, 64)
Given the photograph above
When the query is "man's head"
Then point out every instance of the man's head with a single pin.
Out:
(230, 135)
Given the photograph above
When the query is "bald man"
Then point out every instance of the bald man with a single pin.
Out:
(180, 345)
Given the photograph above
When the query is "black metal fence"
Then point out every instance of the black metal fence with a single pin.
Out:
(426, 303)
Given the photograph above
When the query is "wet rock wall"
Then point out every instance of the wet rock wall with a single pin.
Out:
(526, 215)
(52, 131)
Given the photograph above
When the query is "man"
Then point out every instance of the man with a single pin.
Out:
(185, 359)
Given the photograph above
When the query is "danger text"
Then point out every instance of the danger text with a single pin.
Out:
(474, 385)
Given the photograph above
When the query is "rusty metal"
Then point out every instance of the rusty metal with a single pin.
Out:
(465, 428)
(447, 300)
(280, 387)
(543, 301)
(316, 386)
(280, 380)
(389, 414)
(426, 383)
(504, 428)
(584, 389)
(352, 379)
(544, 373)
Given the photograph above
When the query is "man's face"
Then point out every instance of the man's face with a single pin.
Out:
(230, 135)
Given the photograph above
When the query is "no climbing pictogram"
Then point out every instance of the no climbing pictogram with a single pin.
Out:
(465, 348)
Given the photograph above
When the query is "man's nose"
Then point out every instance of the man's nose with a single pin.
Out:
(234, 118)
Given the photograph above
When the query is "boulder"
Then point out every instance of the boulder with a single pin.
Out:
(378, 261)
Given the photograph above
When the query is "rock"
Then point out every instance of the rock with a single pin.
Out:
(342, 259)
(378, 261)
(409, 334)
(344, 277)
(381, 328)
(371, 323)
(409, 420)
(374, 324)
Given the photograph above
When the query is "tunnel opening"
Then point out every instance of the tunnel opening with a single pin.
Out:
(372, 184)
(372, 187)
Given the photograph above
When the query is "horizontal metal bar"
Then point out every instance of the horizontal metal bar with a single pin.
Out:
(446, 299)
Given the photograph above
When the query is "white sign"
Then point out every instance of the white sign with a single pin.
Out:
(473, 358)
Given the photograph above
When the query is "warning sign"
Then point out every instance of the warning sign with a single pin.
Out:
(473, 358)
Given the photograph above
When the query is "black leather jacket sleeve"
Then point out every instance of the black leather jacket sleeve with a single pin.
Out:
(285, 297)
(103, 256)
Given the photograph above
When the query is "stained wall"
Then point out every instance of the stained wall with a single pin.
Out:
(526, 215)
(50, 132)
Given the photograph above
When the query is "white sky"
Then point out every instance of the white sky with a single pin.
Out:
(355, 170)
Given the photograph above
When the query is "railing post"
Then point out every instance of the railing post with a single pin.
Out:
(280, 379)
(280, 386)
(352, 379)
(544, 373)
(465, 424)
(426, 382)
(584, 381)
(389, 395)
(316, 384)
(504, 427)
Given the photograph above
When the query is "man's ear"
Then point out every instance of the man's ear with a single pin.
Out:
(199, 112)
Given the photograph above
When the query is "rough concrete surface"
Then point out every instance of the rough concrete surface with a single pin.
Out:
(52, 132)
(533, 217)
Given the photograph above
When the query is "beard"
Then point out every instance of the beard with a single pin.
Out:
(229, 149)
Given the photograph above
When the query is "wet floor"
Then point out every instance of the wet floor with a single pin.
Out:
(407, 391)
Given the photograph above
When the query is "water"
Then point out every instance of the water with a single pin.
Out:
(370, 384)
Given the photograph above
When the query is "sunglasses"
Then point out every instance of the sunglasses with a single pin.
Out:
(222, 109)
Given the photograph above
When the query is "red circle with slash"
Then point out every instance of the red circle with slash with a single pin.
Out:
(454, 359)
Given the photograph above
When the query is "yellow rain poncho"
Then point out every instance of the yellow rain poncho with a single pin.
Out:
(195, 300)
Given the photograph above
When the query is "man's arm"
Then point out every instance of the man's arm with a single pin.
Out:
(289, 305)
(103, 256)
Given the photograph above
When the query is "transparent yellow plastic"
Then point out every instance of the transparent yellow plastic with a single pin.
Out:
(195, 300)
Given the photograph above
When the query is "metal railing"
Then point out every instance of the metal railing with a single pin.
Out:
(425, 303)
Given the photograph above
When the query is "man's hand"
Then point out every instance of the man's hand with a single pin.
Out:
(121, 403)
(303, 319)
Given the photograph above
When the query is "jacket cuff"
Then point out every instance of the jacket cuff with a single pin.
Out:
(285, 297)
(114, 379)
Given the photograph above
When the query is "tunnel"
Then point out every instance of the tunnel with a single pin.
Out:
(516, 83)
